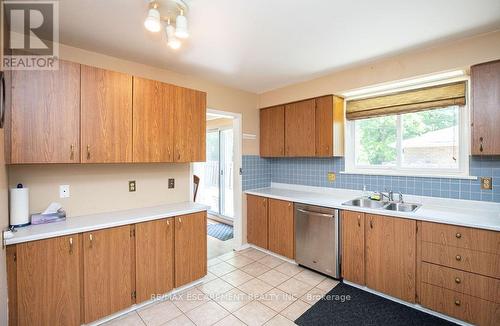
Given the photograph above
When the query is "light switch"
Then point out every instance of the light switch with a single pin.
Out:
(64, 191)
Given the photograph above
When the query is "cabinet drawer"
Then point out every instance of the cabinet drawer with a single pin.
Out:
(462, 237)
(482, 287)
(461, 306)
(463, 259)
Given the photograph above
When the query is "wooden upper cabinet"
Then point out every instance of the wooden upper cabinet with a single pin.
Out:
(300, 128)
(485, 79)
(48, 282)
(190, 247)
(281, 228)
(154, 262)
(309, 128)
(189, 125)
(107, 271)
(353, 247)
(106, 116)
(272, 132)
(391, 255)
(257, 221)
(153, 121)
(329, 129)
(45, 115)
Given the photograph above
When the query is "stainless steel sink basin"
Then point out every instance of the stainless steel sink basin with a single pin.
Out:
(365, 202)
(401, 207)
(390, 206)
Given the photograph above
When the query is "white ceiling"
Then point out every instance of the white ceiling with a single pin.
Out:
(260, 45)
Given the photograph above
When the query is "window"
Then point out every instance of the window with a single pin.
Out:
(431, 142)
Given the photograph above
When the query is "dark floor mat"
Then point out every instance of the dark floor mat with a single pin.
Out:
(347, 305)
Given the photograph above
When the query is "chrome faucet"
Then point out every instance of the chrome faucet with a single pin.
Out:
(401, 197)
(389, 196)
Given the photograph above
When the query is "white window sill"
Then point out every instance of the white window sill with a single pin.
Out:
(402, 174)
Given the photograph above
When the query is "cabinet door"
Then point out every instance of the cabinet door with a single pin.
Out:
(300, 128)
(353, 247)
(324, 126)
(272, 132)
(107, 272)
(154, 258)
(257, 221)
(190, 247)
(106, 116)
(45, 115)
(190, 125)
(485, 80)
(153, 117)
(281, 228)
(390, 256)
(48, 281)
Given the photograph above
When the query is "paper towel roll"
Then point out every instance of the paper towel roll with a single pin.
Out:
(19, 206)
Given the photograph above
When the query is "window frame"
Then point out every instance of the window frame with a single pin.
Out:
(397, 170)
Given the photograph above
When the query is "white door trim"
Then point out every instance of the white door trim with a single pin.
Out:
(237, 161)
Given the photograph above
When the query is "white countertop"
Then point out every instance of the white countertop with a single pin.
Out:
(477, 214)
(86, 223)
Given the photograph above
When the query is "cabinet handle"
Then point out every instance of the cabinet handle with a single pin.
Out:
(458, 280)
(458, 235)
(458, 257)
(457, 302)
(180, 220)
(371, 224)
(480, 144)
(168, 222)
(359, 221)
(91, 239)
(88, 152)
(70, 245)
(72, 152)
(289, 204)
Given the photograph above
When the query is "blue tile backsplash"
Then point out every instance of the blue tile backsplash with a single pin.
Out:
(260, 172)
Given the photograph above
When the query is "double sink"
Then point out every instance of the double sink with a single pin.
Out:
(385, 205)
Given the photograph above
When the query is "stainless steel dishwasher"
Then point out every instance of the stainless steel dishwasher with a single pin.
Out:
(317, 238)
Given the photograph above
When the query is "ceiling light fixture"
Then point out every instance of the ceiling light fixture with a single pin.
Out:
(172, 13)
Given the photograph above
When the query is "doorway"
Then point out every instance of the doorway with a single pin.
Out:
(219, 181)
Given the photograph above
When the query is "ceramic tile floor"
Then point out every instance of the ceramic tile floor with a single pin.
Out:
(248, 287)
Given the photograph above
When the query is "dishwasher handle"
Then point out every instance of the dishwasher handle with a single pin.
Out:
(315, 213)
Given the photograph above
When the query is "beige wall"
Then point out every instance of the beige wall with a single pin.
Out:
(102, 187)
(219, 123)
(459, 54)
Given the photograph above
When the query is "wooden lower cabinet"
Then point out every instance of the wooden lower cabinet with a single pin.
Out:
(353, 247)
(190, 247)
(391, 255)
(107, 271)
(44, 282)
(154, 258)
(281, 228)
(459, 305)
(257, 221)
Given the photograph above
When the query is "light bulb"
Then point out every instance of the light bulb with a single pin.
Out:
(181, 26)
(172, 41)
(152, 22)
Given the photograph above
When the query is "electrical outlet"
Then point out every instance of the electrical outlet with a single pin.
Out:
(171, 183)
(331, 176)
(486, 183)
(64, 191)
(131, 186)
